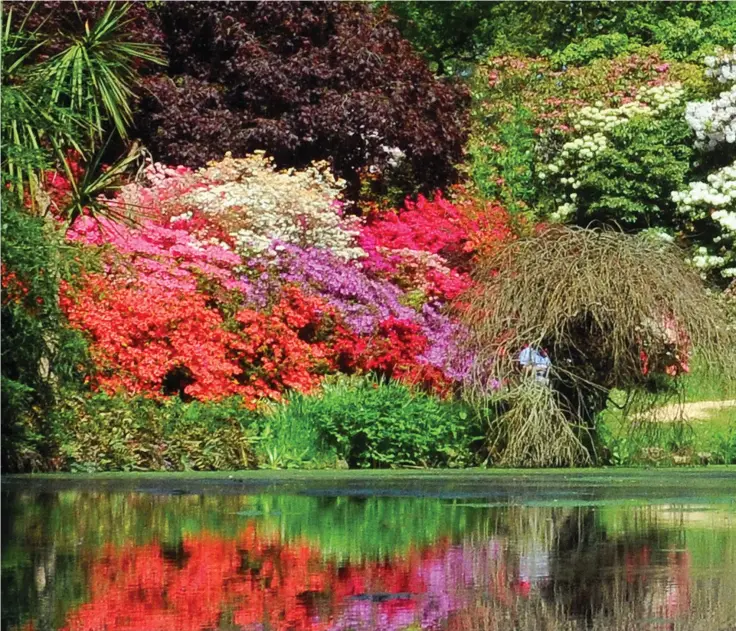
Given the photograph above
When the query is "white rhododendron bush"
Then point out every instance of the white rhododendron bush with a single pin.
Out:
(712, 201)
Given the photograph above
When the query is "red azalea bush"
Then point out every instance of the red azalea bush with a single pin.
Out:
(293, 346)
(391, 354)
(429, 225)
(139, 336)
(148, 340)
(456, 230)
(429, 244)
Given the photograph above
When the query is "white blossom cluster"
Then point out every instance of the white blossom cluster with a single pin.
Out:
(650, 100)
(714, 122)
(718, 192)
(394, 156)
(186, 216)
(259, 205)
(595, 121)
(715, 198)
(704, 261)
(597, 117)
(572, 162)
(723, 68)
(661, 97)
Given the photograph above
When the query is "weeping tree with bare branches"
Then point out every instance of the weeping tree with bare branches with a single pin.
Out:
(606, 310)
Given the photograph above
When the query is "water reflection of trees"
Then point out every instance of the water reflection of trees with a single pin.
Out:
(592, 573)
(197, 562)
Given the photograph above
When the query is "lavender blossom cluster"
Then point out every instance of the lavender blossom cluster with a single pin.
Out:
(363, 300)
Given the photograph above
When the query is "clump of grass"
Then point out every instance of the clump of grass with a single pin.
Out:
(289, 439)
(367, 423)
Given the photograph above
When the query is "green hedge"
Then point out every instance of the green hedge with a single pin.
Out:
(102, 433)
(350, 422)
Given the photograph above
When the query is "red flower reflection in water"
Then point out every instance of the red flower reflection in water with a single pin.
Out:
(250, 581)
(256, 581)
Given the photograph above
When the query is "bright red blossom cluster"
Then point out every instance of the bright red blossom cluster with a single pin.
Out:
(293, 346)
(429, 244)
(392, 352)
(142, 335)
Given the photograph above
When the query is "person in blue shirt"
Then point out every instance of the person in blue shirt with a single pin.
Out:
(535, 362)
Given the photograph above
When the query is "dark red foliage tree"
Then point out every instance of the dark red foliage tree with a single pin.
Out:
(304, 81)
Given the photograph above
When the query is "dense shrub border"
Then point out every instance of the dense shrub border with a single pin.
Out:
(354, 423)
(121, 433)
(256, 290)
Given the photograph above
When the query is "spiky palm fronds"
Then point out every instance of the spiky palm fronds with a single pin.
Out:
(67, 102)
(29, 120)
(95, 74)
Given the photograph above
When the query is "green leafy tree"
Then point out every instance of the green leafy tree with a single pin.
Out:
(452, 34)
(631, 181)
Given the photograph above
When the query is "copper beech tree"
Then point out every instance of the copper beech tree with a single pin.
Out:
(303, 81)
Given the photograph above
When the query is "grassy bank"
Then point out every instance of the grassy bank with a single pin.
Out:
(610, 474)
(677, 430)
(351, 424)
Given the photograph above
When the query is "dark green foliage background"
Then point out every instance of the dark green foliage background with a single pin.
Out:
(454, 35)
(35, 338)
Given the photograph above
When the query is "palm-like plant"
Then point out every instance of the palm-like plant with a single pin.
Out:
(94, 75)
(28, 121)
(67, 102)
(87, 190)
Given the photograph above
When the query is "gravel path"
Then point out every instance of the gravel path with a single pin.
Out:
(695, 411)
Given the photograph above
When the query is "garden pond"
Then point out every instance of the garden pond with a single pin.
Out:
(288, 551)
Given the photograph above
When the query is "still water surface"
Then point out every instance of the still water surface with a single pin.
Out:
(460, 552)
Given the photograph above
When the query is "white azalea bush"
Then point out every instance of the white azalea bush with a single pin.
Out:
(578, 161)
(714, 122)
(708, 205)
(261, 205)
(712, 204)
(722, 68)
